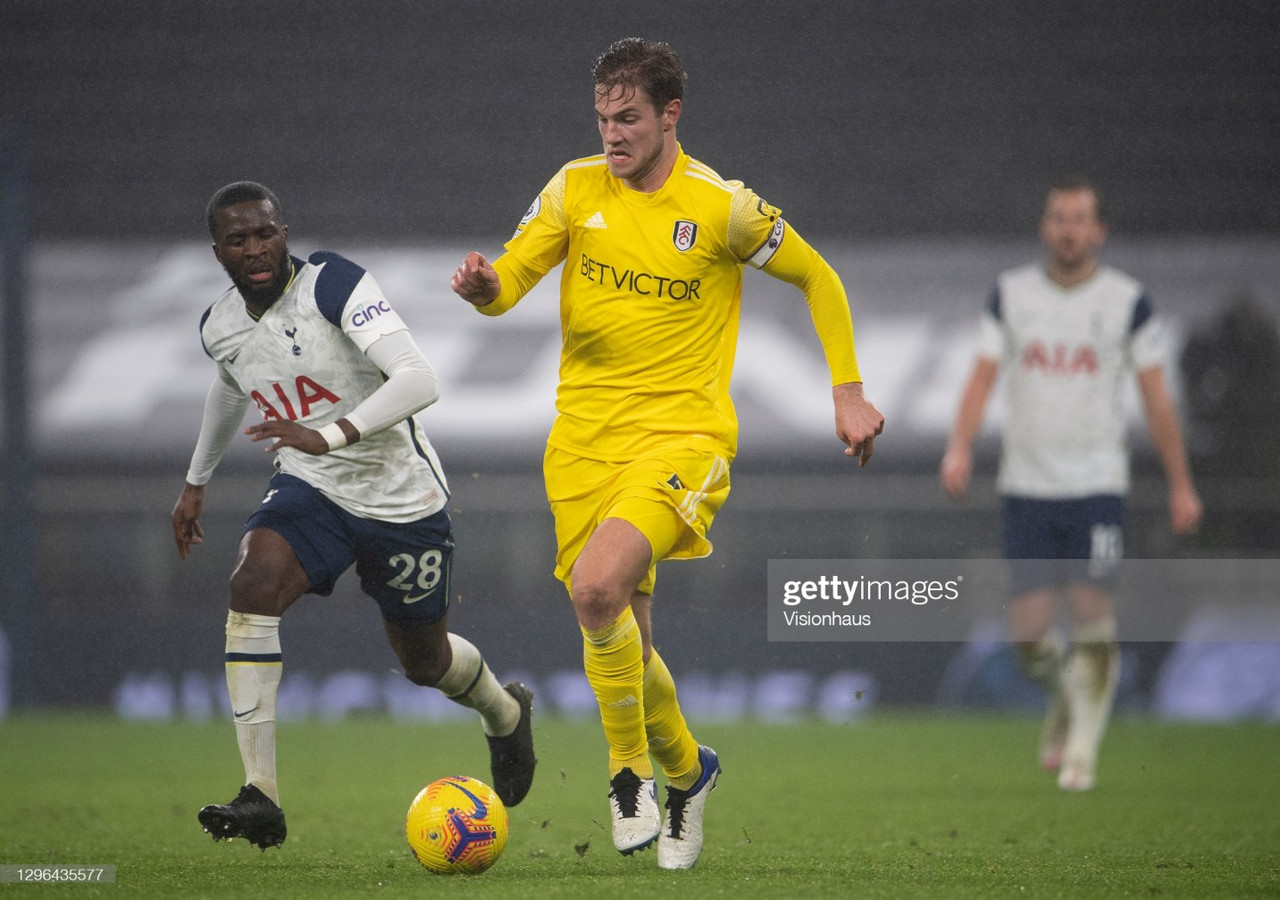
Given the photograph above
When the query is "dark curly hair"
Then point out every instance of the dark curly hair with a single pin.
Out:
(241, 192)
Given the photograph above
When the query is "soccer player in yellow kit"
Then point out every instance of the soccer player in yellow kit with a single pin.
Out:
(637, 463)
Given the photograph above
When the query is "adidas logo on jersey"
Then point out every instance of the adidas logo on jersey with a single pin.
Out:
(596, 221)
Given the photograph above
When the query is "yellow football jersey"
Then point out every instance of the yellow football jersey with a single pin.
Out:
(649, 301)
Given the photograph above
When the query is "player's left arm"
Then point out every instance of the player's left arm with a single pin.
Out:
(411, 385)
(794, 261)
(1185, 508)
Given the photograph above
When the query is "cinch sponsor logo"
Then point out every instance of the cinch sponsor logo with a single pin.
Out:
(1060, 359)
(644, 283)
(366, 314)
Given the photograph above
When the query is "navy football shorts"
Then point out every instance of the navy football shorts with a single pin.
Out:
(1057, 542)
(404, 566)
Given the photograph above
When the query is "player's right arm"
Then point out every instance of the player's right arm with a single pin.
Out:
(539, 245)
(957, 462)
(992, 344)
(493, 288)
(224, 409)
(186, 519)
(476, 281)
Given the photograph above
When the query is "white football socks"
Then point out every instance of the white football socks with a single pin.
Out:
(1089, 678)
(1043, 662)
(470, 683)
(253, 664)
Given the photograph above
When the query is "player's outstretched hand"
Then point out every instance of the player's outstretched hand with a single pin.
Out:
(857, 421)
(186, 519)
(953, 474)
(1185, 509)
(476, 281)
(288, 434)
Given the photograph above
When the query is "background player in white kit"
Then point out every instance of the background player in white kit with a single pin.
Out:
(339, 382)
(1069, 331)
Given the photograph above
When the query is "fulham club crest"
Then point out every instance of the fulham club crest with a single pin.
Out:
(685, 234)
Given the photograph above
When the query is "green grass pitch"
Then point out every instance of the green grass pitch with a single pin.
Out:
(897, 805)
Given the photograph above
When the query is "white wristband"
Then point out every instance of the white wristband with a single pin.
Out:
(334, 436)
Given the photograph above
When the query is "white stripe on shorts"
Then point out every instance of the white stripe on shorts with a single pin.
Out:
(688, 508)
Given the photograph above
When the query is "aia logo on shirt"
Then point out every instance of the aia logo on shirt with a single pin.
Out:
(684, 235)
(306, 394)
(1059, 359)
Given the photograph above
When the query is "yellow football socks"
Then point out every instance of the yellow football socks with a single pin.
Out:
(669, 738)
(614, 661)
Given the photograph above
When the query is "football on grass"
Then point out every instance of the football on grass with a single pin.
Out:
(456, 825)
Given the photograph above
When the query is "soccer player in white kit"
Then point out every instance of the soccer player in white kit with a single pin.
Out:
(1068, 331)
(340, 384)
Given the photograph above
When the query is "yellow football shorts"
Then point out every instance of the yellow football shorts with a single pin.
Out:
(671, 496)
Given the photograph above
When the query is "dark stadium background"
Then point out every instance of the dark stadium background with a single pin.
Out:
(908, 140)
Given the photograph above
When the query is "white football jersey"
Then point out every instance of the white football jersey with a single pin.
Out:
(1067, 352)
(304, 360)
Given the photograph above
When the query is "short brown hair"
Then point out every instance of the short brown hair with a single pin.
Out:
(637, 63)
(1073, 182)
